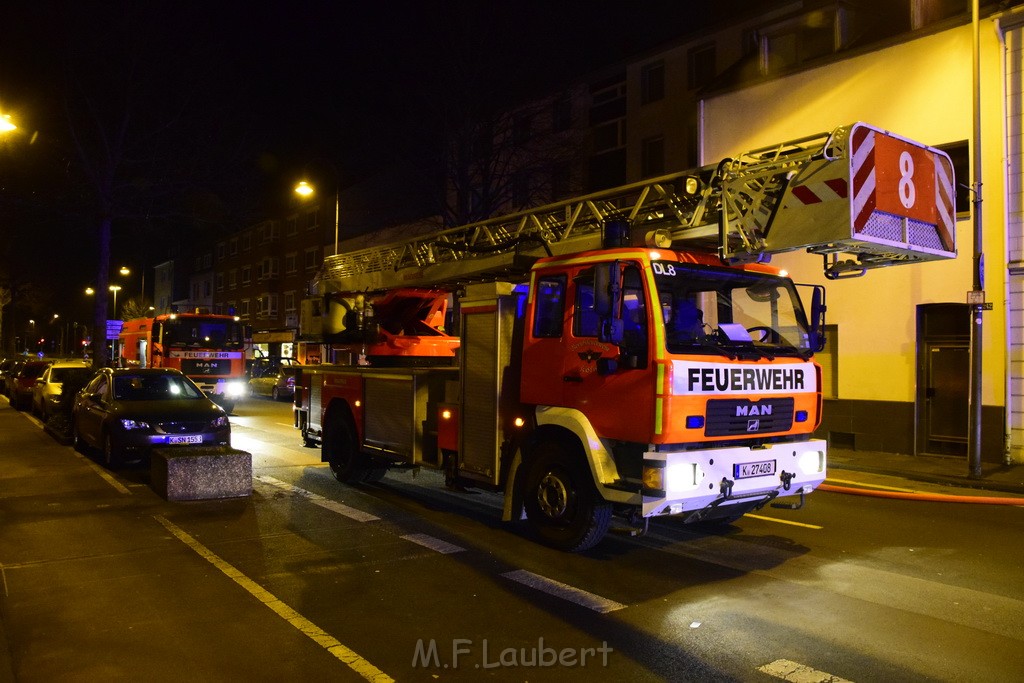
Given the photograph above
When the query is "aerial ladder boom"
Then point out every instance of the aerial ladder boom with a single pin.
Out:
(859, 196)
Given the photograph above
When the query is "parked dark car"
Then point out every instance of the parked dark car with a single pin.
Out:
(8, 369)
(24, 383)
(126, 412)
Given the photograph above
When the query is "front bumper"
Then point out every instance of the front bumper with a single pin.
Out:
(690, 481)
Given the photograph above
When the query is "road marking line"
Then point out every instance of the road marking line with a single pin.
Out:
(784, 521)
(437, 544)
(328, 642)
(564, 591)
(798, 673)
(317, 499)
(107, 476)
(873, 486)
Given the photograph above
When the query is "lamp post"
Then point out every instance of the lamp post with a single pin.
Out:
(306, 189)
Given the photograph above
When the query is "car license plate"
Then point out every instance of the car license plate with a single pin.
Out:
(745, 470)
(192, 438)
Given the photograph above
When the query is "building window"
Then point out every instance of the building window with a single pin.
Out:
(267, 304)
(609, 136)
(311, 258)
(268, 268)
(700, 66)
(959, 154)
(246, 241)
(652, 82)
(246, 275)
(207, 288)
(221, 248)
(220, 282)
(289, 302)
(243, 308)
(312, 219)
(290, 262)
(233, 246)
(232, 278)
(291, 227)
(652, 157)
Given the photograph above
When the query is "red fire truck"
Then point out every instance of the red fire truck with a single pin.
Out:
(627, 354)
(209, 348)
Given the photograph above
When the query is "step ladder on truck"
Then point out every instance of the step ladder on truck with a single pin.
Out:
(622, 355)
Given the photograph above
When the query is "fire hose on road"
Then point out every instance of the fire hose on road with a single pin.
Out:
(920, 496)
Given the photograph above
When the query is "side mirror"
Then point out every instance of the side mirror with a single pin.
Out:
(817, 322)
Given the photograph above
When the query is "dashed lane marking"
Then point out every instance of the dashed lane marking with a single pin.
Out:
(564, 591)
(316, 499)
(328, 642)
(437, 544)
(798, 673)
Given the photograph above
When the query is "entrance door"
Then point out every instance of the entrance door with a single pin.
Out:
(943, 378)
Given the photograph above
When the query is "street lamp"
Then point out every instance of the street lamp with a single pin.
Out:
(306, 190)
(5, 124)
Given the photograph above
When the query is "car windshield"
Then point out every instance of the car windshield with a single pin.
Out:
(214, 333)
(154, 388)
(730, 312)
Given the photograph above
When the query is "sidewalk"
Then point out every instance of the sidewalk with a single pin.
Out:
(935, 469)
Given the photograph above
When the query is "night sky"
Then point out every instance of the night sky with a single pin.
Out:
(218, 107)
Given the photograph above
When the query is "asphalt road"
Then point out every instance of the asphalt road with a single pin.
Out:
(307, 578)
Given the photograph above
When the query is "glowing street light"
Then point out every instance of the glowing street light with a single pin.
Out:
(306, 190)
(5, 124)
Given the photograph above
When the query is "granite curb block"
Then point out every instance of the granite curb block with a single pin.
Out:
(201, 473)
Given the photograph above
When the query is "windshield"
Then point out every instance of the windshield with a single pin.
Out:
(207, 333)
(154, 388)
(730, 312)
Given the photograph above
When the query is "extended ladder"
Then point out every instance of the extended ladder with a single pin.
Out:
(860, 191)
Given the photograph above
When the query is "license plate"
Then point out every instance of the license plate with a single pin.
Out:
(194, 438)
(745, 470)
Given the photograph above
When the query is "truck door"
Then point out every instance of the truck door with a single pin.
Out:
(612, 385)
(543, 347)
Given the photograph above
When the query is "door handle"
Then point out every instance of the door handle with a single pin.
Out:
(572, 378)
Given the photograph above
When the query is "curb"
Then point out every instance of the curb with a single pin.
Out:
(941, 479)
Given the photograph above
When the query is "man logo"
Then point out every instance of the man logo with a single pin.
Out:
(753, 425)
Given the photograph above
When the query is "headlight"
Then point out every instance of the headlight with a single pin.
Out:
(812, 462)
(134, 424)
(221, 421)
(234, 389)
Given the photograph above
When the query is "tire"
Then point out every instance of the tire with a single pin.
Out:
(562, 505)
(77, 441)
(111, 456)
(274, 395)
(348, 464)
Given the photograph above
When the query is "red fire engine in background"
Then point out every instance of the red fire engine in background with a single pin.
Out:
(622, 355)
(208, 348)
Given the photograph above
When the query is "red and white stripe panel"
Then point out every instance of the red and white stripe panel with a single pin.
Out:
(823, 191)
(862, 175)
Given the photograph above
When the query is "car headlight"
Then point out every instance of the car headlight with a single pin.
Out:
(134, 424)
(234, 389)
(812, 462)
(221, 421)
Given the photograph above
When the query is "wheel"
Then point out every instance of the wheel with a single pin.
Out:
(77, 441)
(562, 505)
(274, 394)
(348, 464)
(110, 453)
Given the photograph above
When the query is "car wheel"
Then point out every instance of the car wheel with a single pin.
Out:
(562, 505)
(77, 441)
(274, 394)
(110, 453)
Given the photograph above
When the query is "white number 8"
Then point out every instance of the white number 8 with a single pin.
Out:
(908, 193)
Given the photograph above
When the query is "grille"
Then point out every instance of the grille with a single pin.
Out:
(738, 417)
(203, 366)
(885, 226)
(181, 427)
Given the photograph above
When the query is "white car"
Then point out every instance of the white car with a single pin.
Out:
(46, 394)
